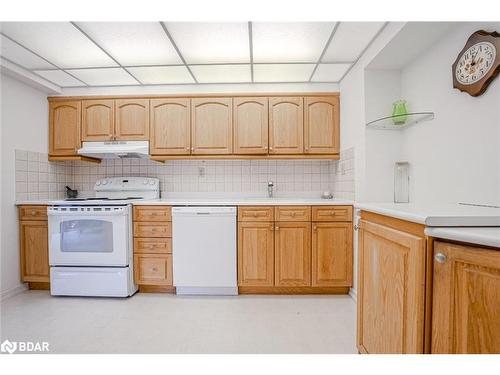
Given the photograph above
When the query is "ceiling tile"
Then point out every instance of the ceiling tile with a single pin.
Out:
(282, 72)
(59, 42)
(60, 78)
(330, 72)
(350, 40)
(290, 42)
(133, 43)
(221, 73)
(21, 56)
(104, 77)
(206, 43)
(162, 74)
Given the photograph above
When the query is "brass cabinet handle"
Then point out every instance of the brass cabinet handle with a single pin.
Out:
(271, 228)
(277, 228)
(33, 212)
(154, 269)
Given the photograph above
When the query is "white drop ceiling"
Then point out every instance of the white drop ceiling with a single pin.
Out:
(96, 54)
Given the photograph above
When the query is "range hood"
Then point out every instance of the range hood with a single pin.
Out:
(115, 149)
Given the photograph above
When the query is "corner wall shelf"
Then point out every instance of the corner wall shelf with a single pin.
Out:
(387, 123)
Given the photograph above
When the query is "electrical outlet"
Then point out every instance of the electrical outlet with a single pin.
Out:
(201, 171)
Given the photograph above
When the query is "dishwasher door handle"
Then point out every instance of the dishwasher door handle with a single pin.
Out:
(203, 213)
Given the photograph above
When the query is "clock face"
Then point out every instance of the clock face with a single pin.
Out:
(475, 63)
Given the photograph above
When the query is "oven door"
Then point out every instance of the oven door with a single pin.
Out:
(89, 236)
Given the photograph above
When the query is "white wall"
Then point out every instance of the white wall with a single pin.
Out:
(455, 157)
(24, 125)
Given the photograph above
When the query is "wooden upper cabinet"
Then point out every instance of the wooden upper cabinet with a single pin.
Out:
(332, 254)
(211, 126)
(64, 128)
(286, 125)
(292, 265)
(170, 127)
(250, 123)
(321, 125)
(466, 300)
(132, 119)
(98, 119)
(391, 293)
(255, 253)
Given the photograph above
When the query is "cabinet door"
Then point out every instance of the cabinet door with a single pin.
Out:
(211, 126)
(321, 125)
(255, 254)
(391, 274)
(98, 120)
(132, 119)
(286, 125)
(153, 269)
(292, 254)
(332, 254)
(170, 127)
(250, 118)
(64, 128)
(466, 300)
(34, 251)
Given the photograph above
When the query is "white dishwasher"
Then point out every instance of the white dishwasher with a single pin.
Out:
(204, 250)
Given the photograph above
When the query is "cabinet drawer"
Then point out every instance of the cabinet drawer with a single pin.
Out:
(292, 213)
(148, 229)
(152, 269)
(332, 213)
(152, 213)
(32, 212)
(153, 245)
(255, 213)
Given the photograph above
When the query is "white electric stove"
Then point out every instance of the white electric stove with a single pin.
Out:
(90, 239)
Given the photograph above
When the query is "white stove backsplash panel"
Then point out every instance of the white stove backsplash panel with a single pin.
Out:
(36, 178)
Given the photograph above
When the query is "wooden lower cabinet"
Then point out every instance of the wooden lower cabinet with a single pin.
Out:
(466, 299)
(255, 254)
(153, 248)
(288, 256)
(292, 266)
(332, 254)
(391, 286)
(153, 269)
(34, 246)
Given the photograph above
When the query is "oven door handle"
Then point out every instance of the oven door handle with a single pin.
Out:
(51, 212)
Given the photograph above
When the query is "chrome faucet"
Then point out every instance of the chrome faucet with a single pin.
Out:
(270, 186)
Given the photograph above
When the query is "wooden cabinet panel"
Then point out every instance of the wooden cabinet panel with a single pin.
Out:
(152, 229)
(293, 213)
(170, 127)
(321, 125)
(332, 254)
(152, 213)
(153, 245)
(391, 279)
(211, 126)
(250, 122)
(132, 119)
(286, 125)
(34, 251)
(98, 120)
(32, 212)
(255, 254)
(292, 254)
(152, 269)
(64, 128)
(332, 213)
(255, 213)
(466, 300)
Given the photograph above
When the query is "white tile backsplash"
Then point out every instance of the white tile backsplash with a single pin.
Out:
(36, 178)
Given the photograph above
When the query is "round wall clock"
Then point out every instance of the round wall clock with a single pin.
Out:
(478, 63)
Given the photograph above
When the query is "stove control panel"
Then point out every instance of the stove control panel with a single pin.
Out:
(127, 184)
